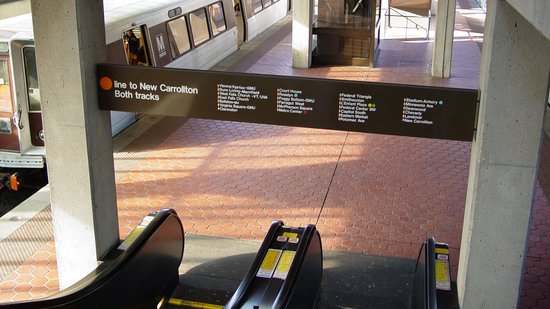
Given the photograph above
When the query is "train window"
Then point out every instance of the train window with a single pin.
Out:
(267, 3)
(31, 77)
(199, 26)
(257, 5)
(248, 7)
(5, 96)
(3, 72)
(135, 46)
(178, 36)
(217, 18)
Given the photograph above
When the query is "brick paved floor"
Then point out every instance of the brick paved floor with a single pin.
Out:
(35, 278)
(536, 281)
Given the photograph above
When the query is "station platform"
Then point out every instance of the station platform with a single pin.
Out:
(374, 198)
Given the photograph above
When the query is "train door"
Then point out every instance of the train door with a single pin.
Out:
(32, 89)
(9, 137)
(27, 107)
(137, 51)
(136, 46)
(240, 16)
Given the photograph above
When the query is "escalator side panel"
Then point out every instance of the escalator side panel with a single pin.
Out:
(250, 283)
(137, 278)
(152, 274)
(305, 290)
(431, 286)
(290, 279)
(431, 294)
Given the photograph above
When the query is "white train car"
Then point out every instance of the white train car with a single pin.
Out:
(194, 34)
(255, 16)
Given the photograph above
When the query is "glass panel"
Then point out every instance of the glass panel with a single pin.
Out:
(344, 32)
(4, 47)
(199, 26)
(5, 95)
(348, 13)
(257, 6)
(31, 77)
(178, 36)
(217, 18)
(248, 7)
(135, 47)
(5, 126)
(3, 72)
(266, 3)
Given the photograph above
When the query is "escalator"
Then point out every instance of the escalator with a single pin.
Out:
(432, 286)
(286, 272)
(142, 272)
(139, 273)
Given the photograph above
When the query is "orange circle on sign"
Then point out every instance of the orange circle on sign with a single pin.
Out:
(106, 83)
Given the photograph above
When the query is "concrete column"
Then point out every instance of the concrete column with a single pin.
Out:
(302, 20)
(70, 41)
(503, 167)
(444, 34)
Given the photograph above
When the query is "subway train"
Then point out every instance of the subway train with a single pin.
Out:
(193, 34)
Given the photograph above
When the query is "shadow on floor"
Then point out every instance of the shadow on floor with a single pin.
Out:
(350, 280)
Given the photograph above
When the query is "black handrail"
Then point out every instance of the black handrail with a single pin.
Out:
(424, 294)
(247, 280)
(122, 280)
(286, 289)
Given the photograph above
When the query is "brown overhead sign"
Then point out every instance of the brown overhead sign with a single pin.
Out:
(431, 112)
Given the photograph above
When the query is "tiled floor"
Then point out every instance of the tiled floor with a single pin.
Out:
(536, 281)
(375, 194)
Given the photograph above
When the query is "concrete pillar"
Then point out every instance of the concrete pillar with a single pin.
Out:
(70, 41)
(503, 167)
(444, 35)
(302, 20)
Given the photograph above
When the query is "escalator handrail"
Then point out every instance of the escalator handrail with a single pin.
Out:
(286, 288)
(247, 280)
(114, 262)
(431, 294)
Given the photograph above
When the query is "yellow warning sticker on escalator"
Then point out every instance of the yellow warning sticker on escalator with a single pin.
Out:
(268, 264)
(192, 304)
(442, 276)
(281, 272)
(290, 235)
(131, 238)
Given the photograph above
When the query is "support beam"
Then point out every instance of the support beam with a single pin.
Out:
(70, 41)
(444, 35)
(536, 12)
(514, 87)
(302, 27)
